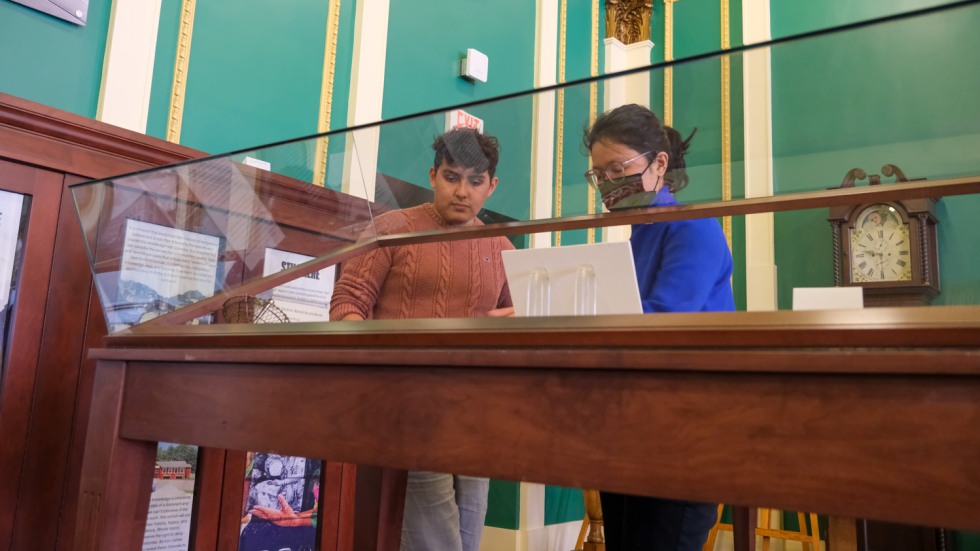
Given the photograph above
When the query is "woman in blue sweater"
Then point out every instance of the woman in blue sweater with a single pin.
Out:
(682, 266)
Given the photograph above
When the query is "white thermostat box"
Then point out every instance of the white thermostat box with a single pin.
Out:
(474, 66)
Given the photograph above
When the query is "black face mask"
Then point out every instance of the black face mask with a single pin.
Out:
(626, 194)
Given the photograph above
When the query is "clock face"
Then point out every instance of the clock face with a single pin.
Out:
(880, 246)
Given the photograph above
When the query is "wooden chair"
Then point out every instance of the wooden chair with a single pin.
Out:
(591, 524)
(811, 541)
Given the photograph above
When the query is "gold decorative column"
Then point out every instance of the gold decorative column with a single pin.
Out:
(593, 103)
(326, 92)
(181, 61)
(726, 119)
(560, 119)
(668, 114)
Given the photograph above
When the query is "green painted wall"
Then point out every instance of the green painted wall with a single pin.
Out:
(428, 38)
(904, 93)
(232, 102)
(245, 88)
(504, 505)
(575, 161)
(790, 18)
(50, 61)
(158, 112)
(908, 99)
(697, 100)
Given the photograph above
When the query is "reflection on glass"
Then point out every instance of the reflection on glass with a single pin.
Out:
(274, 222)
(14, 213)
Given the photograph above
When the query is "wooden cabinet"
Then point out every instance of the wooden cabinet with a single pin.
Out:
(47, 377)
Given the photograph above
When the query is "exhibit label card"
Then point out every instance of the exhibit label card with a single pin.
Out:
(305, 298)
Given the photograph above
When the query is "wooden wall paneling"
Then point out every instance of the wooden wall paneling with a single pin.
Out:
(65, 142)
(331, 496)
(388, 415)
(117, 473)
(94, 334)
(66, 318)
(20, 371)
(209, 486)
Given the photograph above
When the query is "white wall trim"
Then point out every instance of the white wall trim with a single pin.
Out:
(127, 71)
(543, 122)
(366, 96)
(760, 260)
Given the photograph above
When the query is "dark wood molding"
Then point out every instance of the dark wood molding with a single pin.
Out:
(94, 149)
(870, 433)
(773, 332)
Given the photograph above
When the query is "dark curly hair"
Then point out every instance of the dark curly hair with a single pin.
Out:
(467, 148)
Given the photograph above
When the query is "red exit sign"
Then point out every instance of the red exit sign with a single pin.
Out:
(458, 118)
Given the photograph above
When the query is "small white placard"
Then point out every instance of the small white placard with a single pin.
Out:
(257, 163)
(827, 298)
(306, 298)
(608, 265)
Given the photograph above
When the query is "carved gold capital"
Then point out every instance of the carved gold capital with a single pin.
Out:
(628, 20)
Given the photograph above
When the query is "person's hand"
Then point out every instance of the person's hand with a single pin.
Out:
(352, 317)
(501, 312)
(285, 516)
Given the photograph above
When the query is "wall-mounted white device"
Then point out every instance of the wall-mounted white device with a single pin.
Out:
(474, 65)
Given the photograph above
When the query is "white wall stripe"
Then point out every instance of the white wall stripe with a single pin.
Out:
(127, 72)
(543, 130)
(760, 259)
(366, 96)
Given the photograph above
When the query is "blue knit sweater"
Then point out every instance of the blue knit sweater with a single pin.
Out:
(682, 266)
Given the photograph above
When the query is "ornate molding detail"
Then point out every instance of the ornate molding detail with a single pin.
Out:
(726, 119)
(181, 62)
(326, 92)
(560, 116)
(593, 105)
(628, 20)
(668, 113)
(56, 139)
(836, 232)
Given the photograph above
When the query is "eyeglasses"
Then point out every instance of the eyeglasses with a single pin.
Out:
(614, 171)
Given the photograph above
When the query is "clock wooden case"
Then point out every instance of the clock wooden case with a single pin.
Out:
(890, 249)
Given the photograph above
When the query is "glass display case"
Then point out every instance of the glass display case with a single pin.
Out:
(216, 276)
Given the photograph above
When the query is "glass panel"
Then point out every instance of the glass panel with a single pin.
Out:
(794, 118)
(14, 213)
(163, 239)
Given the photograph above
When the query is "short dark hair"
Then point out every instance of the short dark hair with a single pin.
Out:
(467, 148)
(639, 129)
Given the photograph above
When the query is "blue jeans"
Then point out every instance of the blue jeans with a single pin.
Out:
(443, 512)
(635, 523)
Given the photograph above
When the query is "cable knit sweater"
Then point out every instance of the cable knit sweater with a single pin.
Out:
(450, 279)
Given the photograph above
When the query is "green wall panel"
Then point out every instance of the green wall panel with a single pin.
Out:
(162, 82)
(789, 18)
(563, 505)
(50, 61)
(697, 27)
(578, 65)
(697, 104)
(897, 102)
(428, 38)
(504, 505)
(254, 73)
